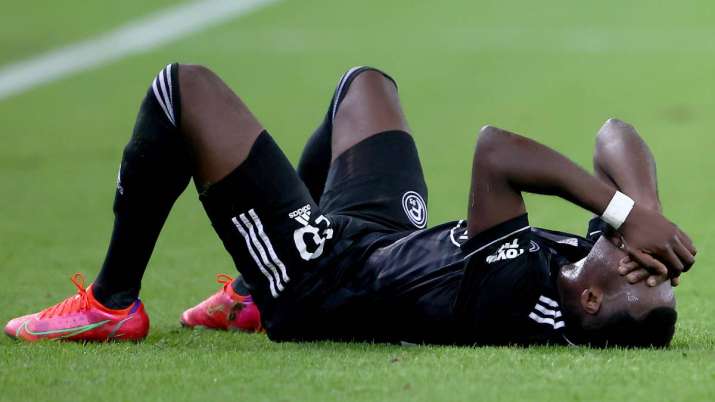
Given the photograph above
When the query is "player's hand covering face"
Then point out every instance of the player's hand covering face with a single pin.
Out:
(635, 273)
(656, 245)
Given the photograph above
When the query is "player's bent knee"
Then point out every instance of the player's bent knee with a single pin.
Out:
(491, 143)
(489, 136)
(195, 75)
(189, 71)
(613, 129)
(374, 78)
(488, 130)
(615, 123)
(370, 87)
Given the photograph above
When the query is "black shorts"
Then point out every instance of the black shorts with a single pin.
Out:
(293, 253)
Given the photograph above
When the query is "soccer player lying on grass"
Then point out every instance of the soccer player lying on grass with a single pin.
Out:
(339, 249)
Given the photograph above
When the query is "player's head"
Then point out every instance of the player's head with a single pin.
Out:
(609, 311)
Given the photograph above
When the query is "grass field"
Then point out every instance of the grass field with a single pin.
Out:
(552, 70)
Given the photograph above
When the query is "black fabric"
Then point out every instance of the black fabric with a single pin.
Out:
(155, 170)
(377, 277)
(379, 180)
(508, 294)
(311, 242)
(398, 286)
(240, 287)
(275, 232)
(597, 228)
(435, 286)
(315, 159)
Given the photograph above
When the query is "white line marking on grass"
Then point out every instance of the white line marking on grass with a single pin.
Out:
(138, 36)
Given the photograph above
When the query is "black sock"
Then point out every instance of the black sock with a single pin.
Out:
(315, 160)
(156, 168)
(240, 287)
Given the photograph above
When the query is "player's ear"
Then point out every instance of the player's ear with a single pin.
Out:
(591, 299)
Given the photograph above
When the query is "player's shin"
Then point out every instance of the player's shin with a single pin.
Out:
(156, 167)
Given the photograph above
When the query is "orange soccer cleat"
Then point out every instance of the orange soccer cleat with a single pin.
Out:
(224, 310)
(81, 318)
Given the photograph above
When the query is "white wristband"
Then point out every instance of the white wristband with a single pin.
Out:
(617, 210)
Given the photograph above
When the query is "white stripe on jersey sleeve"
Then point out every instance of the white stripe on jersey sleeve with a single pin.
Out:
(549, 313)
(549, 321)
(549, 302)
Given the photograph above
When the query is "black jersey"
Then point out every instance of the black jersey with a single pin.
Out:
(437, 286)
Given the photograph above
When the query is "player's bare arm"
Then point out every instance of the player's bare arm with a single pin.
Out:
(623, 158)
(505, 164)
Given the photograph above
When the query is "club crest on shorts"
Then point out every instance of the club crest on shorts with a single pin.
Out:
(415, 208)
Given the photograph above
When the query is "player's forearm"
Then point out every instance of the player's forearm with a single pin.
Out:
(532, 167)
(623, 156)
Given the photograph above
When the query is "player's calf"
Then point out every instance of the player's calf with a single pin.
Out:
(189, 124)
(155, 169)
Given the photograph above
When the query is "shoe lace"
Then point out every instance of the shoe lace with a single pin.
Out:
(78, 302)
(224, 279)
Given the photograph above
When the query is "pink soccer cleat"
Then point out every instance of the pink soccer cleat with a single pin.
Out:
(224, 310)
(81, 318)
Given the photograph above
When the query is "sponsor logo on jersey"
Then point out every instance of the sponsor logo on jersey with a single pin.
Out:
(507, 251)
(310, 238)
(571, 241)
(301, 214)
(415, 208)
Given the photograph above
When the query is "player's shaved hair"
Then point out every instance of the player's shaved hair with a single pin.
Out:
(655, 329)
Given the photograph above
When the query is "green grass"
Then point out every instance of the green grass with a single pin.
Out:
(553, 72)
(31, 27)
